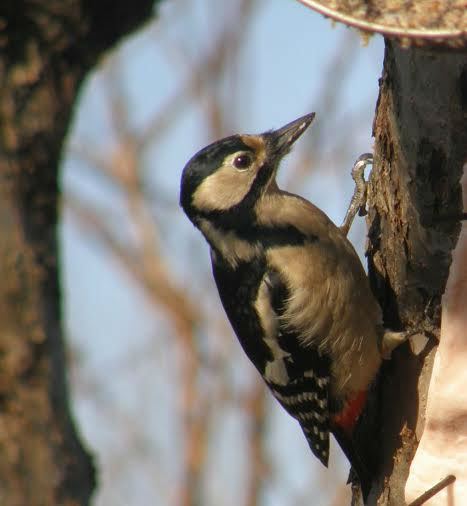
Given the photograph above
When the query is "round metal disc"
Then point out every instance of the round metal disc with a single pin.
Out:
(414, 22)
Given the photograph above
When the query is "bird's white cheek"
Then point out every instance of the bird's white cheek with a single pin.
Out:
(222, 190)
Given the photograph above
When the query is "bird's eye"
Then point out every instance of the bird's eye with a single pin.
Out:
(242, 162)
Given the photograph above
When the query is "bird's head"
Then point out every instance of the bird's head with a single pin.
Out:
(230, 175)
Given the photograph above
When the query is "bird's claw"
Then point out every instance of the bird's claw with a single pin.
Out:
(358, 201)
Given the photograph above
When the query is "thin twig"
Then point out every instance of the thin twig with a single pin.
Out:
(433, 490)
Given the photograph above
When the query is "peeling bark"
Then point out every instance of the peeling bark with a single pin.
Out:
(47, 47)
(414, 195)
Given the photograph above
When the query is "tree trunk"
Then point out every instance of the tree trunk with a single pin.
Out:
(46, 49)
(415, 210)
(415, 201)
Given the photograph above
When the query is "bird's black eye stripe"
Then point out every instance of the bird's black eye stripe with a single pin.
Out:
(242, 162)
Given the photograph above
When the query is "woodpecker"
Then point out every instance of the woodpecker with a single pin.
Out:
(291, 284)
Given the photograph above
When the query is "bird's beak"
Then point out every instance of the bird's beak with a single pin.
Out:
(281, 140)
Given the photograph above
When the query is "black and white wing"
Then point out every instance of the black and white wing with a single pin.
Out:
(297, 375)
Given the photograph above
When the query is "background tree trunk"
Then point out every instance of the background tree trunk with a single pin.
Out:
(414, 195)
(47, 47)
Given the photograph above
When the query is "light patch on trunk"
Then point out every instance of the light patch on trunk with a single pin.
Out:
(443, 446)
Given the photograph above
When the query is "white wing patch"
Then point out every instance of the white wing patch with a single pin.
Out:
(275, 370)
(304, 397)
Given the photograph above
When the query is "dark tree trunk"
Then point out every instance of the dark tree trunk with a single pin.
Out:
(414, 196)
(47, 47)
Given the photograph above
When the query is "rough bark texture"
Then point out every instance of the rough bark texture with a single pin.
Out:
(421, 145)
(46, 49)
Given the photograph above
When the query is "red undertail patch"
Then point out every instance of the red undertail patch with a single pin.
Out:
(347, 418)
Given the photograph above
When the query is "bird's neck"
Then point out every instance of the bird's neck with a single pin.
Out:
(229, 244)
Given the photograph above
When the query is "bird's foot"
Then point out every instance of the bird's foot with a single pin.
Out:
(390, 341)
(358, 201)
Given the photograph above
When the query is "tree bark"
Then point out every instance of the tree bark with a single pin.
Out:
(415, 201)
(47, 47)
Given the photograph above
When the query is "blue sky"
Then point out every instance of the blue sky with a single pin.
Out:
(287, 58)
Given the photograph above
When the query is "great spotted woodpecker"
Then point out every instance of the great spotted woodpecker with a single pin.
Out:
(291, 283)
